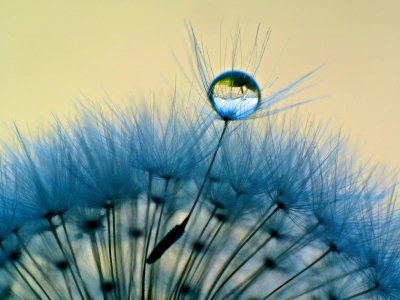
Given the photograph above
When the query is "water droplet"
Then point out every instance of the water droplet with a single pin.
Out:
(234, 95)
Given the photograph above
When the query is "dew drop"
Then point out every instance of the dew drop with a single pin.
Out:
(234, 95)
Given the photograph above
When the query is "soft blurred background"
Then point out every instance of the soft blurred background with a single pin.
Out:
(53, 52)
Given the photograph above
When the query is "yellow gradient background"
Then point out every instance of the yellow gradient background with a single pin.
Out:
(53, 52)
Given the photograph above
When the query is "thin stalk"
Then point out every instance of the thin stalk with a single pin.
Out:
(241, 265)
(153, 279)
(30, 254)
(110, 256)
(245, 284)
(208, 263)
(97, 258)
(181, 284)
(145, 242)
(68, 285)
(299, 273)
(242, 287)
(178, 230)
(175, 269)
(34, 279)
(74, 256)
(153, 219)
(118, 286)
(297, 241)
(121, 256)
(38, 267)
(185, 274)
(177, 261)
(54, 231)
(134, 252)
(209, 169)
(360, 293)
(322, 284)
(24, 279)
(237, 250)
(157, 266)
(175, 293)
(161, 212)
(133, 268)
(19, 272)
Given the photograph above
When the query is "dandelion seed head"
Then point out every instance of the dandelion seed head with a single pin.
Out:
(89, 210)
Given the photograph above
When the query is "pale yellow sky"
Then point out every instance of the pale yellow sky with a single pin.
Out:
(52, 52)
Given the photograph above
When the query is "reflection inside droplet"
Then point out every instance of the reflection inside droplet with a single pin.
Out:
(234, 95)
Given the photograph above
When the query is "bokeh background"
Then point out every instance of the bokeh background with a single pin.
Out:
(54, 52)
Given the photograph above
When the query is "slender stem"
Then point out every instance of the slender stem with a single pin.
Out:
(246, 283)
(19, 272)
(110, 257)
(118, 286)
(181, 277)
(360, 293)
(178, 230)
(174, 272)
(289, 250)
(54, 231)
(153, 279)
(134, 252)
(209, 169)
(145, 242)
(195, 256)
(305, 292)
(97, 258)
(237, 250)
(299, 273)
(68, 285)
(177, 293)
(69, 242)
(162, 211)
(74, 256)
(208, 262)
(241, 265)
(26, 281)
(121, 257)
(153, 220)
(34, 279)
(171, 280)
(147, 250)
(38, 267)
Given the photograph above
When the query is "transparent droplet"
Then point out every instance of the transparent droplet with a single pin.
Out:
(234, 95)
